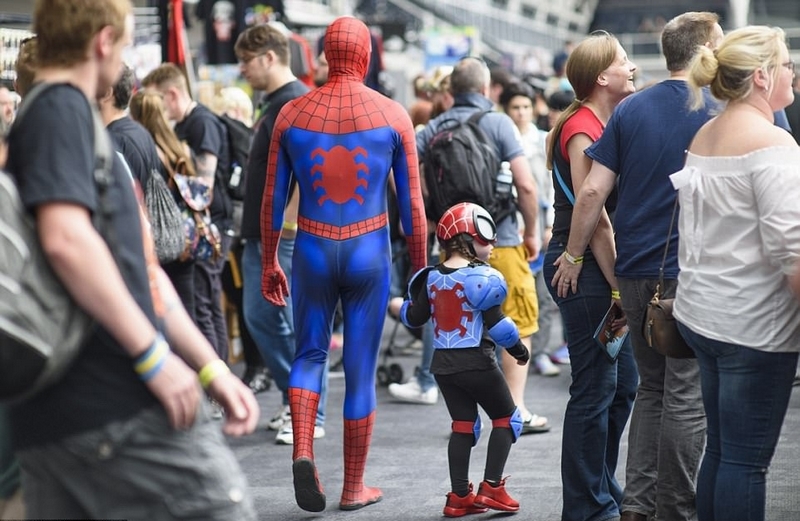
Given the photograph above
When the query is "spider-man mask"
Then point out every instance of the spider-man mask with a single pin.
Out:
(348, 47)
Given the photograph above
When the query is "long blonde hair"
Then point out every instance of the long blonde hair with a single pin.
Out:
(586, 62)
(147, 109)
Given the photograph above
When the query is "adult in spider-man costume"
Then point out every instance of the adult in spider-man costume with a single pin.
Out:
(340, 143)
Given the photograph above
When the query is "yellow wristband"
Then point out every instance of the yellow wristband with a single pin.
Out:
(211, 371)
(573, 260)
(615, 294)
(292, 227)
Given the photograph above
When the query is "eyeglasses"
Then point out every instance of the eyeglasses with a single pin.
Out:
(789, 65)
(247, 60)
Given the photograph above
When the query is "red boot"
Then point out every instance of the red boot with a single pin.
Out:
(357, 436)
(496, 498)
(458, 506)
(307, 489)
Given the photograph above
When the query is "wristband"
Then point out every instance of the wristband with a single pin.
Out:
(573, 260)
(291, 227)
(615, 294)
(150, 362)
(211, 371)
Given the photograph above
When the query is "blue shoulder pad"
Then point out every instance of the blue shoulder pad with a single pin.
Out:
(505, 333)
(485, 287)
(419, 278)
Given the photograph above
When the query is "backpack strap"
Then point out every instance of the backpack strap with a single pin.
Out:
(103, 155)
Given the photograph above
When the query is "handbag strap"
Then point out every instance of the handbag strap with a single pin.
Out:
(666, 247)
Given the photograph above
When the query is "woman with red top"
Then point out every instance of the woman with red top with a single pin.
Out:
(602, 391)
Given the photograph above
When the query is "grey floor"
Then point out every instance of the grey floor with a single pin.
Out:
(408, 459)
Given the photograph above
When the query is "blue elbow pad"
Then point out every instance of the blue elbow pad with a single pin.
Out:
(505, 333)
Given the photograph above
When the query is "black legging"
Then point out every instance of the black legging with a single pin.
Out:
(462, 393)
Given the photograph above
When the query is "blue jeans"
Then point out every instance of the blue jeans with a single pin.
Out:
(746, 393)
(272, 327)
(401, 265)
(601, 397)
(424, 376)
(668, 425)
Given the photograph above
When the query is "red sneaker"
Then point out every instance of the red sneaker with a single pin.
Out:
(496, 498)
(458, 506)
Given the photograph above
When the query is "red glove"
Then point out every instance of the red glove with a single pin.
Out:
(274, 286)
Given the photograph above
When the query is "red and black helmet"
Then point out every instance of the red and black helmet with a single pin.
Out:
(468, 218)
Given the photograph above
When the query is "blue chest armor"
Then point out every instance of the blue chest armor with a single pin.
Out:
(457, 300)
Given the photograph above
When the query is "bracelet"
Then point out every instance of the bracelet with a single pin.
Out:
(615, 294)
(150, 363)
(211, 371)
(573, 260)
(291, 227)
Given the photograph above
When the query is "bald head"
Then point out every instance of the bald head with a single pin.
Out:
(470, 75)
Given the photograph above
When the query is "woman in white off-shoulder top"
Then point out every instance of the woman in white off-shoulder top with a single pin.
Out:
(739, 241)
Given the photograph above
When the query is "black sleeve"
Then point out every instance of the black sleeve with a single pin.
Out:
(492, 316)
(50, 150)
(419, 311)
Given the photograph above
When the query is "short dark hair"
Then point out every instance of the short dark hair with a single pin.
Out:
(500, 76)
(123, 89)
(513, 89)
(260, 39)
(560, 100)
(683, 35)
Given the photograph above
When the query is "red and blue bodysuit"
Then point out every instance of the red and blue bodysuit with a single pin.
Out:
(340, 143)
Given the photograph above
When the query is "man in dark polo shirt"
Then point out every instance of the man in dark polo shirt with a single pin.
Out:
(263, 53)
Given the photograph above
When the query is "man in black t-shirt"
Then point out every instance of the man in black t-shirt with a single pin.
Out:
(263, 53)
(206, 135)
(78, 457)
(131, 139)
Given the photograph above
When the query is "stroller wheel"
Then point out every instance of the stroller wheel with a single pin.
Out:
(395, 373)
(383, 376)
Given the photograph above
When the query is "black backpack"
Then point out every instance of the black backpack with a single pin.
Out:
(42, 329)
(240, 137)
(461, 165)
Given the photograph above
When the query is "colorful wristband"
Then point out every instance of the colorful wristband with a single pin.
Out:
(615, 294)
(291, 227)
(573, 260)
(152, 360)
(211, 371)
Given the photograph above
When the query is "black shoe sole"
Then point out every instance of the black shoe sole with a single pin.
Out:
(307, 491)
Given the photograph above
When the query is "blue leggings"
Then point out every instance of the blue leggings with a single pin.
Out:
(355, 271)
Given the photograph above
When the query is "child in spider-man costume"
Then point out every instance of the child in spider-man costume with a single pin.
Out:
(462, 296)
(340, 143)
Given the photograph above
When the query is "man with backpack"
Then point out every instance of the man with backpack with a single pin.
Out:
(469, 85)
(123, 434)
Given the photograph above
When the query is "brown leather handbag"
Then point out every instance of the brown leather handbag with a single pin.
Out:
(660, 328)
